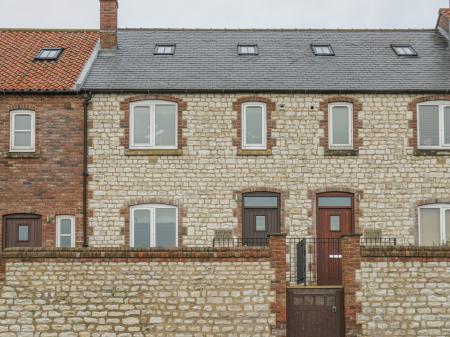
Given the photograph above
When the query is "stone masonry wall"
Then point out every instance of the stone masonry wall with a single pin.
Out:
(149, 294)
(205, 178)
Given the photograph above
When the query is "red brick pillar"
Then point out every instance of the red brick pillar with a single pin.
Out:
(351, 262)
(277, 246)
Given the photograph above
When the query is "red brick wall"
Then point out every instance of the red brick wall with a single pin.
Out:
(48, 183)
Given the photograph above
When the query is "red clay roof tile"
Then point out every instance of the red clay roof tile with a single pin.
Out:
(20, 72)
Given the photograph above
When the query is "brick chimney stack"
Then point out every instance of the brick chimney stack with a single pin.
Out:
(108, 24)
(443, 24)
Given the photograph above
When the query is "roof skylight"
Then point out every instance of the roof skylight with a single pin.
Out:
(248, 49)
(404, 50)
(49, 54)
(322, 50)
(165, 49)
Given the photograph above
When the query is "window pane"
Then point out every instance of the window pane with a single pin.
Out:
(261, 202)
(447, 125)
(166, 222)
(335, 201)
(335, 223)
(253, 125)
(447, 226)
(141, 228)
(341, 130)
(65, 226)
(22, 138)
(23, 233)
(65, 241)
(165, 120)
(429, 125)
(260, 222)
(430, 226)
(22, 122)
(141, 125)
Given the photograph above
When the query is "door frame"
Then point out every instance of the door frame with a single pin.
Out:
(13, 216)
(260, 194)
(334, 194)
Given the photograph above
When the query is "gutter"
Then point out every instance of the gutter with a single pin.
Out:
(86, 100)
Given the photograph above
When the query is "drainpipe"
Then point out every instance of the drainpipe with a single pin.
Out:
(87, 99)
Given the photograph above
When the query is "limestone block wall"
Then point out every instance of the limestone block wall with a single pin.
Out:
(207, 174)
(125, 294)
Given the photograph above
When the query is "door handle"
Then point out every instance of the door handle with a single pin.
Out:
(333, 309)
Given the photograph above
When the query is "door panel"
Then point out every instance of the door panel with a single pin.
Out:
(315, 312)
(22, 230)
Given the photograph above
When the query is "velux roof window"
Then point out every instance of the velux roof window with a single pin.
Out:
(165, 49)
(247, 49)
(404, 50)
(322, 50)
(49, 54)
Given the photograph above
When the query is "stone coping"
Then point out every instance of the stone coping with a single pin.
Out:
(406, 251)
(121, 253)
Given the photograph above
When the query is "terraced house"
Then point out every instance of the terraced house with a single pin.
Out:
(236, 183)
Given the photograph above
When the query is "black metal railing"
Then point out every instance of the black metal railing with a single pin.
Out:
(378, 241)
(240, 242)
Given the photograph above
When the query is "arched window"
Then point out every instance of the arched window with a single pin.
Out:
(153, 125)
(434, 224)
(153, 225)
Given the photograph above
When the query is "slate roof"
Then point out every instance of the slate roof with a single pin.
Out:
(20, 72)
(207, 60)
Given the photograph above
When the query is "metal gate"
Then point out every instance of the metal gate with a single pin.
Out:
(315, 312)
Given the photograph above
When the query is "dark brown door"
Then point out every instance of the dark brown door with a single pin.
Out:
(315, 312)
(261, 217)
(334, 218)
(22, 230)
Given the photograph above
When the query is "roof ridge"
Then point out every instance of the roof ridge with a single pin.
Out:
(283, 29)
(47, 30)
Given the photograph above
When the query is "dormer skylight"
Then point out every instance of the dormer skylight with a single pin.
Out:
(165, 49)
(404, 50)
(49, 54)
(248, 49)
(322, 50)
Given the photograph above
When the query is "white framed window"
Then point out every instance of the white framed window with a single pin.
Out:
(433, 125)
(22, 131)
(65, 231)
(340, 125)
(153, 225)
(254, 126)
(153, 125)
(434, 224)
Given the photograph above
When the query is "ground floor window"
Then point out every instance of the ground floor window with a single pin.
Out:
(434, 224)
(153, 226)
(65, 231)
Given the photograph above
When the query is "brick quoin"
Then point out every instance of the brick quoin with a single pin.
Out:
(48, 182)
(351, 262)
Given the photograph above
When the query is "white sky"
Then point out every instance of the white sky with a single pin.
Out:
(225, 13)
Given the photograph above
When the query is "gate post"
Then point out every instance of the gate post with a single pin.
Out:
(351, 262)
(277, 247)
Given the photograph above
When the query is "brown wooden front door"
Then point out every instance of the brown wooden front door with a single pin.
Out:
(315, 312)
(334, 219)
(22, 230)
(261, 216)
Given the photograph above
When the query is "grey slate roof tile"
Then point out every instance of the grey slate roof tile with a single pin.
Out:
(207, 60)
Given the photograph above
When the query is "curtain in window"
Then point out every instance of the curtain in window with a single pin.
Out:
(429, 125)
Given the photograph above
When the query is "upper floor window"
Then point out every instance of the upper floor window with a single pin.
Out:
(340, 125)
(153, 226)
(22, 131)
(254, 126)
(434, 224)
(433, 124)
(153, 125)
(65, 231)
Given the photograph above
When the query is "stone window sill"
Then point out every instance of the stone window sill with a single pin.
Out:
(432, 152)
(241, 152)
(175, 152)
(19, 155)
(341, 152)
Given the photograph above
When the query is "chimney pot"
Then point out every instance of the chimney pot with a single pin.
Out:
(108, 24)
